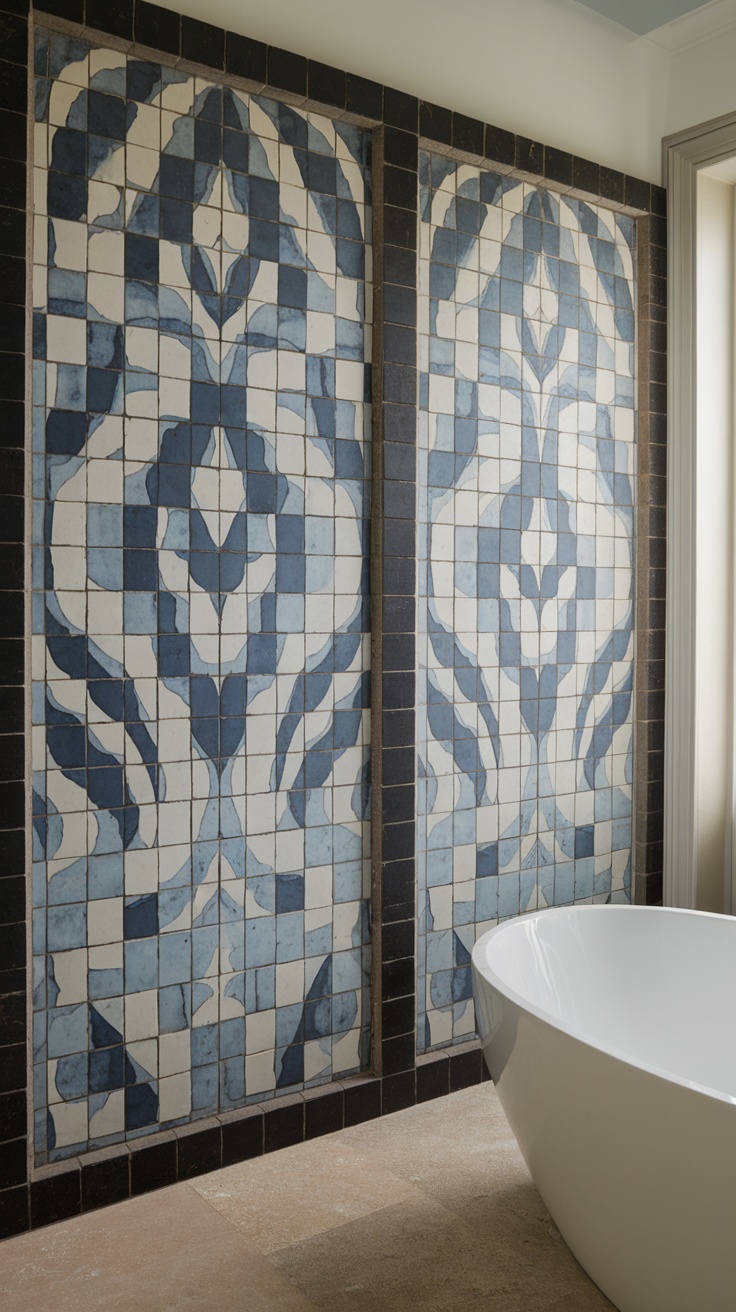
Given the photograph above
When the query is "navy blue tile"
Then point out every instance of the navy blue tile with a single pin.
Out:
(322, 173)
(584, 840)
(107, 1069)
(292, 287)
(208, 141)
(289, 893)
(264, 240)
(140, 571)
(106, 115)
(140, 916)
(173, 655)
(143, 80)
(66, 196)
(236, 156)
(141, 1106)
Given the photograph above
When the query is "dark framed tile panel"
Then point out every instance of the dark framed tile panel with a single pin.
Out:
(651, 558)
(398, 1079)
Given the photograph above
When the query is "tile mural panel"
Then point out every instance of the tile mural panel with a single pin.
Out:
(200, 644)
(526, 539)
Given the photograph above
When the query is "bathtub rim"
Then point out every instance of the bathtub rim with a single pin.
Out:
(483, 969)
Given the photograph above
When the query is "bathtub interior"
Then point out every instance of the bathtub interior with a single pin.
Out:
(655, 986)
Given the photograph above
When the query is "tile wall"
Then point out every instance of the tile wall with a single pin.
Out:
(526, 495)
(200, 655)
(110, 700)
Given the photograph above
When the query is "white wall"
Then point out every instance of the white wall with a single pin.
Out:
(714, 552)
(547, 69)
(702, 84)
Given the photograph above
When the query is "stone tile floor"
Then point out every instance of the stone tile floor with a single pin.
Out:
(430, 1208)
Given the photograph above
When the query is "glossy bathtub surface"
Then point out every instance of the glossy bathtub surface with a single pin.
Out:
(611, 1037)
(655, 986)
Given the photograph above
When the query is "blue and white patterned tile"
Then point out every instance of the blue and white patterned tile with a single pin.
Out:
(200, 695)
(526, 496)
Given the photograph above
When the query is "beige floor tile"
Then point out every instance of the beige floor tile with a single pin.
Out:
(471, 1118)
(289, 1196)
(494, 1234)
(512, 1232)
(401, 1257)
(453, 1149)
(419, 1255)
(432, 1208)
(165, 1252)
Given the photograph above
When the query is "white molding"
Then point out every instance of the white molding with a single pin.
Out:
(694, 28)
(684, 154)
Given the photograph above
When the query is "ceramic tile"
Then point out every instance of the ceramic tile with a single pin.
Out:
(526, 517)
(134, 1255)
(203, 440)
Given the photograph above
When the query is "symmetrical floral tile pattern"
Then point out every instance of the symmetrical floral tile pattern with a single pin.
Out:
(200, 654)
(526, 495)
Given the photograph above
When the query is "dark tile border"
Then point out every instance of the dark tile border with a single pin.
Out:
(400, 1078)
(15, 1203)
(651, 559)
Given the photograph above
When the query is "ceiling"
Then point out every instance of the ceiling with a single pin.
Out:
(643, 15)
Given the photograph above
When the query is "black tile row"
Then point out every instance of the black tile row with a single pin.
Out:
(199, 42)
(293, 74)
(394, 836)
(193, 1150)
(651, 526)
(546, 162)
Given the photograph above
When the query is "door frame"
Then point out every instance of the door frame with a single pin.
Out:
(685, 154)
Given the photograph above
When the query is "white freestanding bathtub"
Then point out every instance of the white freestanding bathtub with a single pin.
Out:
(610, 1034)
